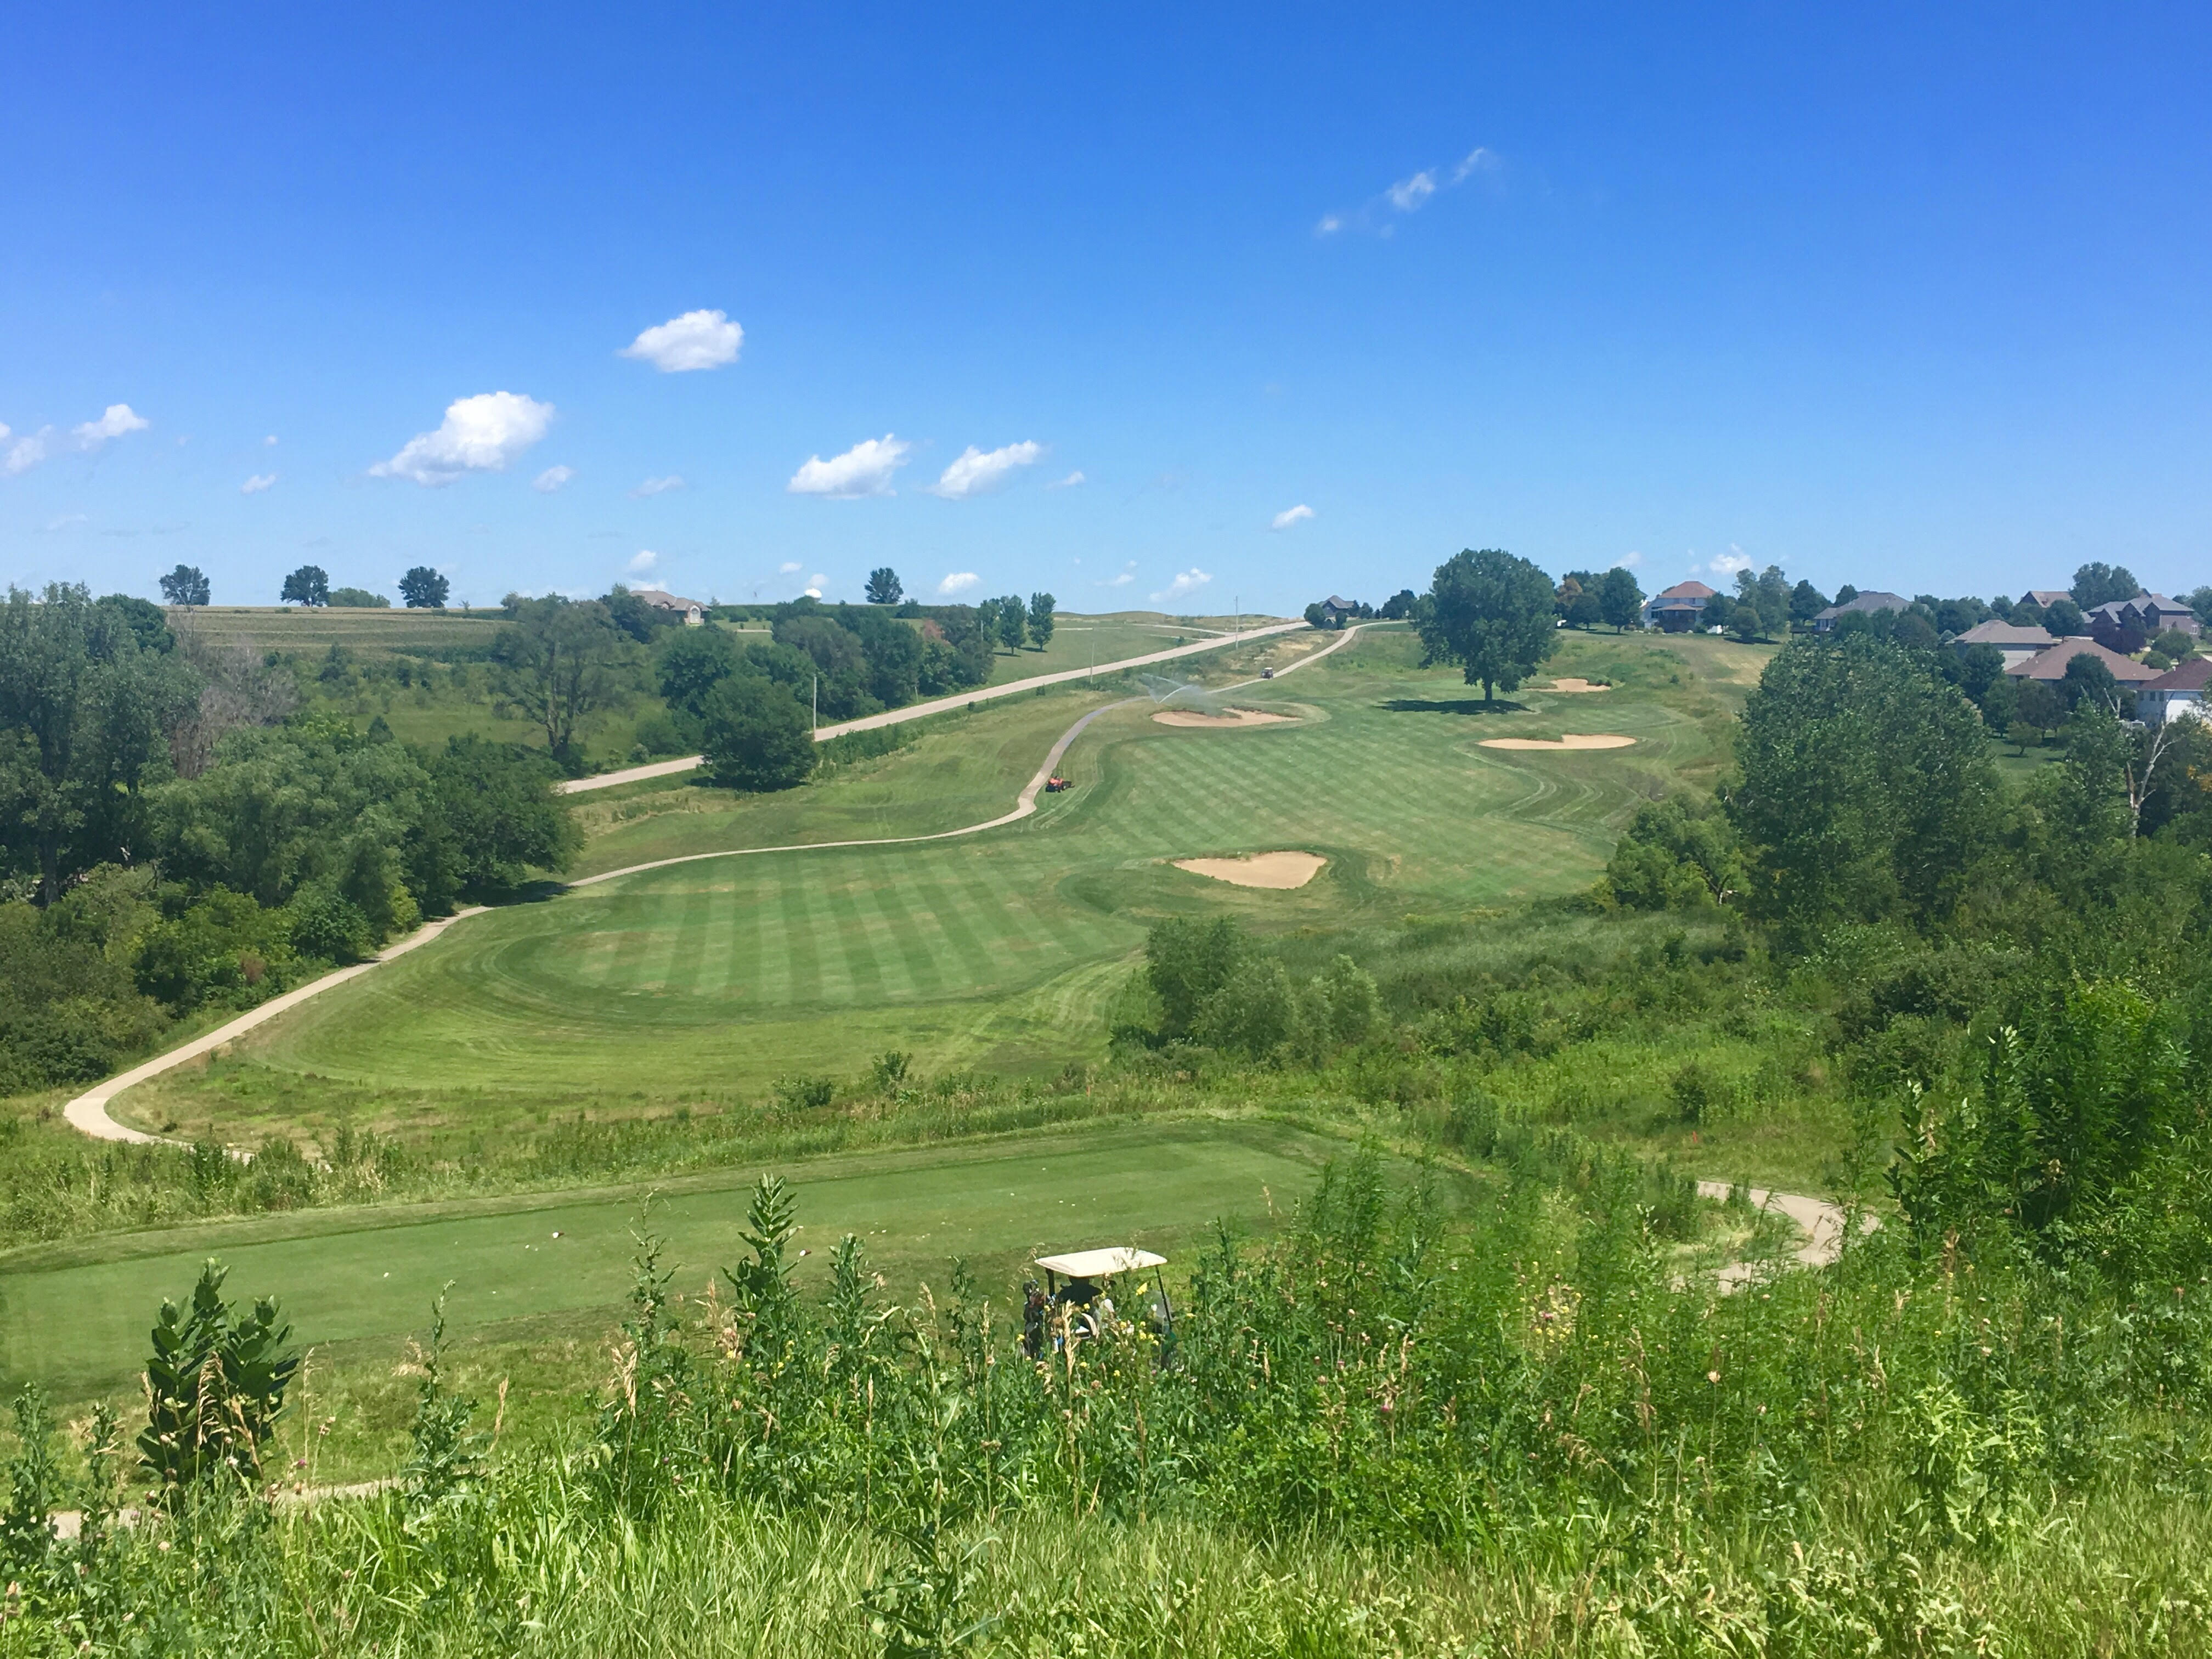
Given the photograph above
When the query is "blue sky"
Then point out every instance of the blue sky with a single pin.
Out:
(1913, 302)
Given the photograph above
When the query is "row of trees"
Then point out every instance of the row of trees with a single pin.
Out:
(421, 588)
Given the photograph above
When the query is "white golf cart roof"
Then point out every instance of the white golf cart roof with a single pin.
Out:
(1100, 1264)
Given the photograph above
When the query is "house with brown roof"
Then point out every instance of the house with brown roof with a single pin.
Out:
(2018, 644)
(1865, 604)
(692, 612)
(2043, 598)
(2051, 666)
(2177, 694)
(1679, 609)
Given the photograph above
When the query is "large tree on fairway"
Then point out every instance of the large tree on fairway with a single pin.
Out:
(1492, 614)
(309, 585)
(1013, 622)
(1041, 606)
(184, 585)
(561, 663)
(424, 589)
(757, 735)
(884, 587)
(1620, 600)
(1867, 791)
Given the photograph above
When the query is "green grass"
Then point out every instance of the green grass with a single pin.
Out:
(300, 628)
(1002, 950)
(74, 1316)
(1079, 640)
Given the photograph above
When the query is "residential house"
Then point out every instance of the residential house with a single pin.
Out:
(2043, 598)
(1865, 605)
(1679, 609)
(691, 610)
(1336, 611)
(2176, 694)
(2050, 665)
(2018, 644)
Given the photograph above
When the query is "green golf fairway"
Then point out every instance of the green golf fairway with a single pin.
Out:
(74, 1317)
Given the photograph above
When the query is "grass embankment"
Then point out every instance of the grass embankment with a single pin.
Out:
(1002, 952)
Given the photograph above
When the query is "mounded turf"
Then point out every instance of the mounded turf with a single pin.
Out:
(76, 1317)
(1004, 949)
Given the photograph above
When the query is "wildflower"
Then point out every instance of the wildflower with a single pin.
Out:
(1712, 1376)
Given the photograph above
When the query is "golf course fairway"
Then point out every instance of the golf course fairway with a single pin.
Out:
(74, 1317)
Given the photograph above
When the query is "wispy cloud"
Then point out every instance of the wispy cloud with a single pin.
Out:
(1128, 575)
(697, 340)
(258, 483)
(1186, 582)
(551, 479)
(33, 448)
(1290, 516)
(660, 486)
(66, 521)
(1069, 481)
(975, 472)
(1379, 214)
(642, 561)
(865, 469)
(118, 420)
(25, 453)
(1627, 562)
(789, 567)
(958, 583)
(483, 433)
(1728, 563)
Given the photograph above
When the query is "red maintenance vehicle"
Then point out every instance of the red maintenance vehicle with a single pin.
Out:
(1055, 783)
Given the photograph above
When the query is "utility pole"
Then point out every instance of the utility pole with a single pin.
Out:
(817, 702)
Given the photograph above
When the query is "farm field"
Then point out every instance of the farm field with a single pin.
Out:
(74, 1317)
(1077, 641)
(1003, 952)
(316, 629)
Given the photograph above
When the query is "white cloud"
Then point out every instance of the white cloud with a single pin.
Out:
(270, 439)
(816, 582)
(1478, 159)
(25, 453)
(697, 339)
(1408, 194)
(1329, 225)
(958, 583)
(1128, 575)
(1627, 562)
(551, 479)
(118, 420)
(481, 433)
(67, 521)
(1290, 516)
(658, 486)
(1069, 481)
(865, 469)
(257, 484)
(789, 567)
(1186, 583)
(973, 471)
(1730, 562)
(642, 561)
(813, 592)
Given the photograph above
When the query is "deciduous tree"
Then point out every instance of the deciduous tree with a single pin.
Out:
(561, 663)
(184, 585)
(1491, 615)
(884, 587)
(423, 589)
(758, 736)
(309, 585)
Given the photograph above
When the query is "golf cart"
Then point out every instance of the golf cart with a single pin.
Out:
(1083, 1271)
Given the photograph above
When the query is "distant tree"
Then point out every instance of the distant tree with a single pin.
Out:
(1762, 605)
(2038, 706)
(2199, 600)
(146, 621)
(1719, 612)
(2002, 608)
(1040, 618)
(692, 662)
(1581, 609)
(2097, 583)
(309, 585)
(2000, 703)
(424, 589)
(2063, 617)
(1678, 854)
(884, 587)
(2174, 645)
(1399, 607)
(563, 662)
(1957, 616)
(1846, 593)
(1867, 791)
(631, 614)
(358, 599)
(496, 812)
(184, 585)
(987, 621)
(1982, 667)
(1013, 622)
(1620, 600)
(1490, 614)
(1316, 615)
(2089, 679)
(759, 735)
(1187, 963)
(1806, 603)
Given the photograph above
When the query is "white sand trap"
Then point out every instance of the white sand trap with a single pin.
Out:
(1277, 870)
(1572, 684)
(1234, 717)
(1572, 740)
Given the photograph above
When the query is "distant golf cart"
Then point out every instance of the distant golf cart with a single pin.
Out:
(1055, 783)
(1075, 1305)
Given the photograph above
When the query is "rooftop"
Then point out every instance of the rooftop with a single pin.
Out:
(2051, 665)
(1687, 591)
(1994, 632)
(1865, 602)
(2191, 676)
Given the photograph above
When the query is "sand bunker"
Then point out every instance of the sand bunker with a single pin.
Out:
(1234, 717)
(1277, 870)
(1572, 684)
(1572, 740)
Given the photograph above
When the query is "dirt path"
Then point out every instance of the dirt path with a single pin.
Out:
(915, 711)
(1821, 1222)
(88, 1111)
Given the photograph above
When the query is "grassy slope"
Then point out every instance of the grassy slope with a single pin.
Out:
(1000, 950)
